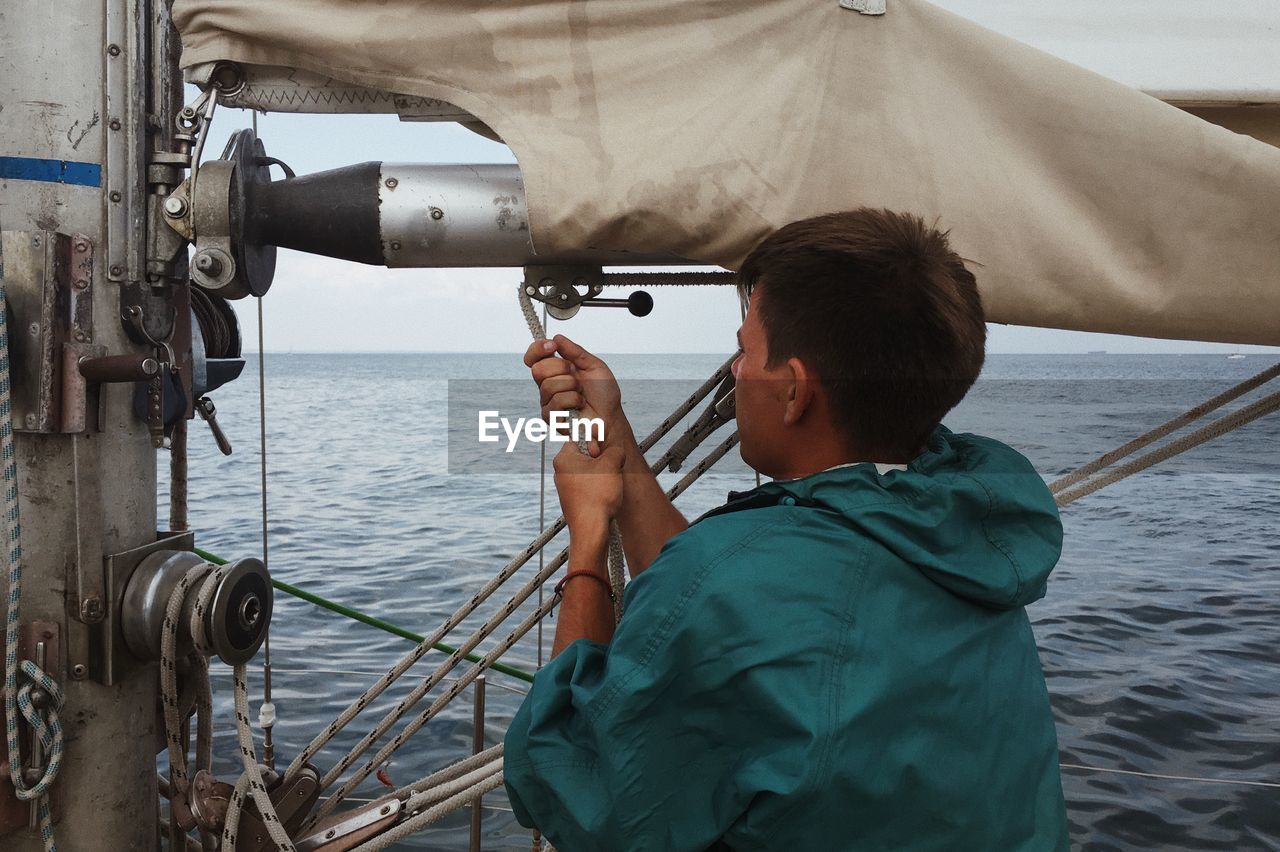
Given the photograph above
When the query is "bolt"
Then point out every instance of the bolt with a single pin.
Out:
(114, 124)
(386, 809)
(175, 206)
(117, 271)
(530, 290)
(30, 420)
(91, 609)
(82, 246)
(115, 196)
(80, 338)
(395, 245)
(80, 283)
(34, 329)
(35, 241)
(437, 213)
(391, 183)
(208, 264)
(329, 835)
(250, 612)
(150, 366)
(564, 297)
(113, 49)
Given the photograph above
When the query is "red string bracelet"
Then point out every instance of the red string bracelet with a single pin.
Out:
(583, 573)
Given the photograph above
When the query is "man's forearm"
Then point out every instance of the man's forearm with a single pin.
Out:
(586, 611)
(646, 519)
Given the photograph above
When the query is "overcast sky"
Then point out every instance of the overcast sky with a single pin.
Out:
(321, 305)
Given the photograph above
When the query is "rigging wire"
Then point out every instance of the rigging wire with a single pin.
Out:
(542, 513)
(267, 713)
(1235, 781)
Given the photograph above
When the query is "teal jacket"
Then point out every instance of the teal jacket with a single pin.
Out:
(840, 662)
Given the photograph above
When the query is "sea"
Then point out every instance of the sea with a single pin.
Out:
(1159, 634)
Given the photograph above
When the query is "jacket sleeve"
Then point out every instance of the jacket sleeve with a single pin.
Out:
(643, 744)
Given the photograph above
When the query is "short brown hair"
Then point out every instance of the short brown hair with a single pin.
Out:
(884, 311)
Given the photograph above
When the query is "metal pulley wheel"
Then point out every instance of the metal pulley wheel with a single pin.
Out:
(236, 620)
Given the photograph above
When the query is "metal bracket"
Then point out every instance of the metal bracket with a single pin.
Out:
(114, 657)
(86, 581)
(349, 829)
(49, 284)
(292, 802)
(557, 287)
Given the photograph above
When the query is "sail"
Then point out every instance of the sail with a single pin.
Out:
(695, 128)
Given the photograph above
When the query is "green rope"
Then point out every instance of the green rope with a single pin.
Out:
(357, 615)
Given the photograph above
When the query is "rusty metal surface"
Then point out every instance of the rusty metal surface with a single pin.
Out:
(36, 265)
(50, 289)
(209, 800)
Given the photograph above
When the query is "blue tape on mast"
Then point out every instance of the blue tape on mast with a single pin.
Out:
(50, 171)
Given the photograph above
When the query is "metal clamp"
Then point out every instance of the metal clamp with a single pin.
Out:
(717, 414)
(351, 828)
(567, 289)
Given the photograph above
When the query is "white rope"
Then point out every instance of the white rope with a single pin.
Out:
(447, 789)
(455, 770)
(617, 567)
(251, 780)
(1110, 458)
(1208, 432)
(384, 753)
(20, 699)
(208, 576)
(430, 816)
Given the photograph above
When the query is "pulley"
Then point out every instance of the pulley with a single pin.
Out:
(235, 623)
(567, 289)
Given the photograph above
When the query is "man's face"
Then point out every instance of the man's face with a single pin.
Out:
(760, 396)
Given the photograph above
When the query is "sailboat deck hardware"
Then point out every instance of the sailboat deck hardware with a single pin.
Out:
(353, 828)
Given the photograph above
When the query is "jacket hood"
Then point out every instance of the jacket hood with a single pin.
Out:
(969, 512)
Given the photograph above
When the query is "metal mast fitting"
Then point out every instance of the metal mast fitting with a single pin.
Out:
(399, 215)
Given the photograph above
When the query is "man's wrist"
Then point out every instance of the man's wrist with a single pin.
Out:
(588, 529)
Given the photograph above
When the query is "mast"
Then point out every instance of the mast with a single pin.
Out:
(73, 124)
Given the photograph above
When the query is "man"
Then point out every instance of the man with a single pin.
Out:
(840, 658)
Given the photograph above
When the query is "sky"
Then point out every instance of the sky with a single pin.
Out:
(318, 304)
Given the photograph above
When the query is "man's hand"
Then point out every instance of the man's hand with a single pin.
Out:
(577, 380)
(590, 489)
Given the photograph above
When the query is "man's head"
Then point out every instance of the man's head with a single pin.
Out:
(863, 330)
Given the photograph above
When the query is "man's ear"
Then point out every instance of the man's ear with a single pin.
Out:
(801, 392)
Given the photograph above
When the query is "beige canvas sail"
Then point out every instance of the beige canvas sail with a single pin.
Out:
(696, 127)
